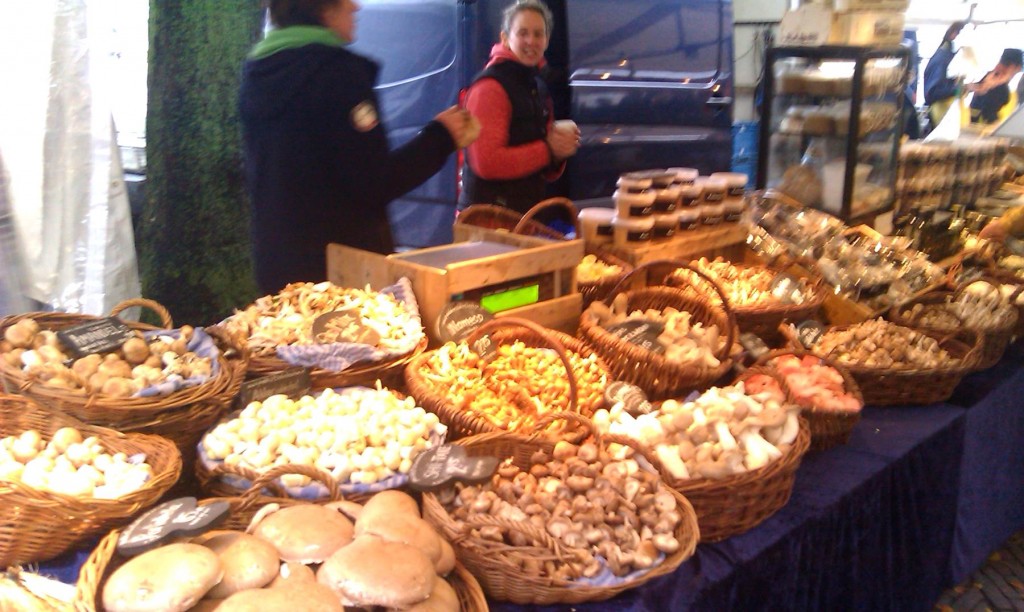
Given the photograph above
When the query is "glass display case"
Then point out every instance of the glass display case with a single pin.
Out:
(831, 123)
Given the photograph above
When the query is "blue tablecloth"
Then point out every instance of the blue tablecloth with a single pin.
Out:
(990, 507)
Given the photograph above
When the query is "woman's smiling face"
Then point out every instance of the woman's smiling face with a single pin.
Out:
(527, 38)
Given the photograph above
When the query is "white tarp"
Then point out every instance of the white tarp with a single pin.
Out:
(70, 208)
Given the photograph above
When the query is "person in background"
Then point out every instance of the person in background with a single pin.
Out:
(940, 89)
(520, 147)
(992, 93)
(318, 168)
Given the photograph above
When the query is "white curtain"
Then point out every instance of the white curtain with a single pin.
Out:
(70, 210)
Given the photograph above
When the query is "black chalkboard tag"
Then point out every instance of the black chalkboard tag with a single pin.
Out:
(293, 382)
(753, 345)
(176, 518)
(99, 336)
(459, 319)
(350, 319)
(640, 332)
(484, 346)
(787, 288)
(436, 467)
(634, 400)
(809, 332)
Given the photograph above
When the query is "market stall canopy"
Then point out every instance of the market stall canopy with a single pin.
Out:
(977, 11)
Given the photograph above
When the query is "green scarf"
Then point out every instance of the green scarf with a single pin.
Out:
(295, 36)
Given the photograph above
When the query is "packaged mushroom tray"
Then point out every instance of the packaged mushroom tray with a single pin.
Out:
(282, 556)
(760, 296)
(898, 365)
(980, 306)
(563, 523)
(665, 340)
(348, 336)
(62, 481)
(365, 439)
(507, 376)
(732, 451)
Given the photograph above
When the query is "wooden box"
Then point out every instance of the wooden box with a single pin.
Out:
(444, 274)
(727, 240)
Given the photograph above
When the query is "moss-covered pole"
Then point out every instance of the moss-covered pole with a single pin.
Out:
(193, 237)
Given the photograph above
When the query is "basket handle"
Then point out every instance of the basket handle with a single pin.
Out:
(526, 528)
(528, 216)
(553, 342)
(585, 425)
(268, 480)
(165, 317)
(730, 333)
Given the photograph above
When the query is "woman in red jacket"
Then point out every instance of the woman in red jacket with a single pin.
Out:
(520, 147)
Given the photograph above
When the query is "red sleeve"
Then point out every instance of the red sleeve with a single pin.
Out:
(490, 157)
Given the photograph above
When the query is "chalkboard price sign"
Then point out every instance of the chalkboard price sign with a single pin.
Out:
(178, 517)
(809, 332)
(641, 333)
(459, 319)
(293, 382)
(435, 467)
(634, 400)
(787, 288)
(99, 336)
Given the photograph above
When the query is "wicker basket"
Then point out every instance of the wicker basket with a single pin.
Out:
(104, 560)
(599, 289)
(828, 428)
(388, 372)
(500, 571)
(763, 319)
(37, 525)
(730, 506)
(462, 423)
(994, 340)
(182, 416)
(658, 377)
(917, 386)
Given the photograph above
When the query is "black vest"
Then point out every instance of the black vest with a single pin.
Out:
(528, 95)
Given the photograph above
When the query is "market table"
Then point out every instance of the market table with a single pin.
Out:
(991, 499)
(869, 526)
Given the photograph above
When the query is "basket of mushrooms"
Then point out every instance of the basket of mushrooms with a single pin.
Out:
(896, 365)
(173, 382)
(732, 451)
(761, 296)
(563, 523)
(979, 306)
(62, 481)
(508, 374)
(361, 440)
(666, 340)
(278, 555)
(346, 336)
(829, 398)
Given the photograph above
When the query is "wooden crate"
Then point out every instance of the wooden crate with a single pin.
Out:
(727, 240)
(533, 258)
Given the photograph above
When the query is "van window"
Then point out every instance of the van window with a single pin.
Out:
(409, 38)
(650, 41)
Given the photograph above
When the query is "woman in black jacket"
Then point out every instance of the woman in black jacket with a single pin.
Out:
(317, 163)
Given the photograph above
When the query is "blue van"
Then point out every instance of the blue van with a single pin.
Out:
(649, 83)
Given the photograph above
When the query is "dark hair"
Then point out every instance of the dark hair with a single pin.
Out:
(284, 13)
(510, 12)
(954, 30)
(1012, 57)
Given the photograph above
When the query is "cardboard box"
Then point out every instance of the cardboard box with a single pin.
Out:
(479, 261)
(867, 28)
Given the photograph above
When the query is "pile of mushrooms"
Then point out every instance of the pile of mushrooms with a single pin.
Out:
(685, 342)
(360, 435)
(69, 464)
(882, 344)
(602, 510)
(815, 385)
(515, 388)
(122, 373)
(743, 286)
(305, 556)
(724, 431)
(592, 270)
(377, 319)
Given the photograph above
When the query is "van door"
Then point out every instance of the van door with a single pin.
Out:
(415, 43)
(651, 87)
